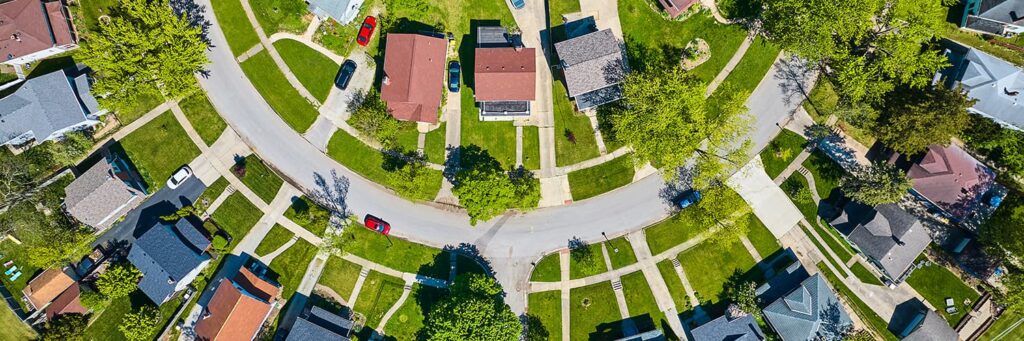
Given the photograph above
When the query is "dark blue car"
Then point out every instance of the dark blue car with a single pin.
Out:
(691, 197)
(518, 4)
(454, 72)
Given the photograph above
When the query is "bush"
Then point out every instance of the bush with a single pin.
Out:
(118, 281)
(219, 242)
(93, 300)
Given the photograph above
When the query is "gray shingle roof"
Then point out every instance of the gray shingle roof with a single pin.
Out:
(342, 11)
(991, 81)
(98, 197)
(166, 252)
(492, 36)
(809, 311)
(886, 233)
(738, 329)
(42, 106)
(320, 325)
(932, 328)
(592, 61)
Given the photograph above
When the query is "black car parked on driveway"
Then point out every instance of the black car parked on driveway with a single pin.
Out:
(348, 68)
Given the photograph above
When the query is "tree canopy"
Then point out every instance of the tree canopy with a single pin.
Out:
(118, 281)
(880, 183)
(66, 327)
(912, 119)
(1002, 230)
(486, 190)
(473, 310)
(373, 120)
(141, 324)
(144, 50)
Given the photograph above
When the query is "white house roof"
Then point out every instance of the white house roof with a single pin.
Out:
(997, 85)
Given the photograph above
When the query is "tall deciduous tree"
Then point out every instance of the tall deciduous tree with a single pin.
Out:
(913, 119)
(485, 189)
(866, 47)
(474, 310)
(145, 49)
(65, 242)
(66, 327)
(877, 184)
(140, 324)
(373, 120)
(1003, 229)
(118, 281)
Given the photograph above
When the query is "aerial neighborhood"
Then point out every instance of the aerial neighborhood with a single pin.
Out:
(614, 170)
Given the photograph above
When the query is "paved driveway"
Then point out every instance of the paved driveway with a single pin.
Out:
(165, 201)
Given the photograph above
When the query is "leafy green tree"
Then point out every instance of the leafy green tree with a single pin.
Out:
(1003, 146)
(913, 119)
(1012, 293)
(880, 183)
(66, 327)
(183, 212)
(68, 151)
(65, 242)
(1003, 231)
(865, 47)
(118, 281)
(373, 119)
(486, 190)
(743, 294)
(473, 310)
(93, 300)
(721, 208)
(140, 324)
(145, 50)
(407, 170)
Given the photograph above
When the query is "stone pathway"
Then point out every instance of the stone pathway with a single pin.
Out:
(595, 127)
(711, 5)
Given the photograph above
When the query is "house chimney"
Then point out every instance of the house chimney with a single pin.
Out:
(387, 80)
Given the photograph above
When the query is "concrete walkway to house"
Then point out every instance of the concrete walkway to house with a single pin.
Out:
(662, 296)
(735, 60)
(713, 7)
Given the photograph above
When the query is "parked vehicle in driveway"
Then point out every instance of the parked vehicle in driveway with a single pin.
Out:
(518, 4)
(345, 73)
(454, 72)
(366, 31)
(178, 177)
(377, 225)
(691, 197)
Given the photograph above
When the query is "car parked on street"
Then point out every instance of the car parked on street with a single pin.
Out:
(366, 31)
(454, 72)
(178, 177)
(691, 197)
(345, 73)
(377, 225)
(518, 4)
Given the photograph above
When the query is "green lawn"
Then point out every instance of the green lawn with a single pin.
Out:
(408, 319)
(751, 69)
(837, 244)
(497, 138)
(548, 269)
(408, 136)
(104, 326)
(291, 265)
(281, 15)
(277, 237)
(865, 275)
(366, 161)
(236, 216)
(875, 322)
(139, 108)
(88, 13)
(260, 179)
(820, 247)
(643, 309)
(313, 69)
(708, 267)
(556, 8)
(652, 39)
(398, 254)
(827, 173)
(822, 101)
(781, 152)
(593, 181)
(236, 26)
(935, 283)
(759, 235)
(340, 275)
(309, 215)
(531, 147)
(212, 192)
(147, 149)
(274, 87)
(574, 137)
(675, 286)
(378, 294)
(546, 307)
(204, 117)
(434, 146)
(593, 310)
(1005, 328)
(580, 267)
(15, 330)
(678, 229)
(625, 256)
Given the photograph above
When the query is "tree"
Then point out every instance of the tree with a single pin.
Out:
(93, 300)
(913, 119)
(473, 310)
(67, 151)
(181, 213)
(742, 293)
(407, 170)
(144, 50)
(485, 190)
(118, 281)
(15, 181)
(1002, 230)
(1003, 146)
(877, 184)
(66, 327)
(140, 324)
(866, 48)
(65, 242)
(373, 119)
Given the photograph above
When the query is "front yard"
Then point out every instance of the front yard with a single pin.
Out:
(360, 158)
(396, 253)
(378, 294)
(291, 265)
(159, 148)
(259, 178)
(313, 69)
(309, 215)
(203, 117)
(236, 216)
(274, 239)
(593, 181)
(547, 269)
(340, 275)
(643, 309)
(709, 266)
(594, 315)
(781, 152)
(275, 89)
(545, 308)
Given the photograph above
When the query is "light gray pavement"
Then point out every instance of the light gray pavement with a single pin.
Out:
(768, 202)
(606, 12)
(620, 298)
(662, 296)
(564, 288)
(510, 242)
(750, 249)
(358, 286)
(713, 6)
(406, 290)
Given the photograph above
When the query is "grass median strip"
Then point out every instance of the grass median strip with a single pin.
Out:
(204, 118)
(864, 275)
(236, 26)
(593, 181)
(279, 93)
(368, 162)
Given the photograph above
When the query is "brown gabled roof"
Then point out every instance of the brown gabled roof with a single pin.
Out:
(238, 308)
(505, 74)
(30, 26)
(67, 303)
(44, 288)
(951, 178)
(413, 76)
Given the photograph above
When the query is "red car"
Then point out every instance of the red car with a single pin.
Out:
(366, 31)
(377, 225)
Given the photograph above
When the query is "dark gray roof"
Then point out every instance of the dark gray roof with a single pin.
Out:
(650, 335)
(42, 106)
(165, 254)
(887, 234)
(737, 329)
(320, 324)
(591, 62)
(505, 108)
(808, 312)
(492, 36)
(932, 327)
(98, 197)
(782, 282)
(1002, 10)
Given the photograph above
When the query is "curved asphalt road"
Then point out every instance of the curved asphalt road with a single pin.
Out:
(510, 242)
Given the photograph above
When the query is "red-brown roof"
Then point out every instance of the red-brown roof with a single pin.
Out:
(950, 178)
(237, 309)
(44, 288)
(504, 74)
(413, 76)
(676, 7)
(26, 26)
(67, 303)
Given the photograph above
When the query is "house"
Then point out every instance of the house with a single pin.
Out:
(104, 193)
(784, 280)
(414, 76)
(239, 306)
(675, 8)
(44, 108)
(650, 335)
(999, 17)
(888, 237)
(808, 312)
(68, 302)
(31, 30)
(949, 178)
(170, 256)
(928, 326)
(734, 325)
(319, 324)
(45, 288)
(995, 84)
(593, 64)
(505, 76)
(342, 11)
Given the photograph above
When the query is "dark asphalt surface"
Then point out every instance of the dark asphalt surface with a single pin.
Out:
(165, 201)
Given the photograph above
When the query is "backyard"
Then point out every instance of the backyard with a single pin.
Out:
(104, 324)
(935, 283)
(593, 181)
(147, 149)
(14, 329)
